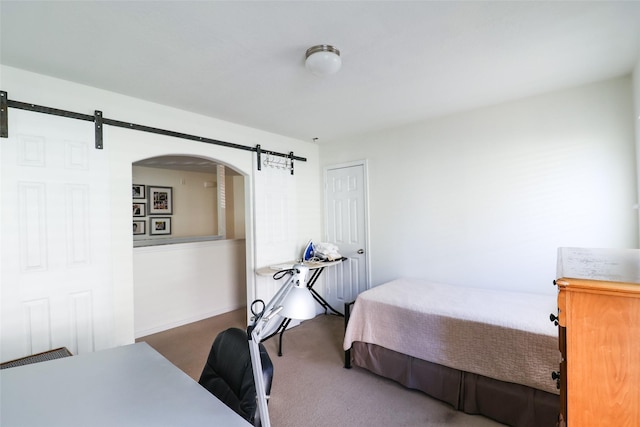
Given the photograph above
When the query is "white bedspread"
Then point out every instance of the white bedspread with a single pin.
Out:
(502, 335)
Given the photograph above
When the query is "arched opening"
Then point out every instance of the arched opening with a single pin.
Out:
(189, 243)
(196, 198)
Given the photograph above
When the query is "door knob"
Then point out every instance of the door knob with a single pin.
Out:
(360, 251)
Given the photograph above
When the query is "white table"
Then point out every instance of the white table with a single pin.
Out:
(133, 385)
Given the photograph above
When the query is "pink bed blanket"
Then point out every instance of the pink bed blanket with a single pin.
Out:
(502, 335)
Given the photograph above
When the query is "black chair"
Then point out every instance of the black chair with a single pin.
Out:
(228, 373)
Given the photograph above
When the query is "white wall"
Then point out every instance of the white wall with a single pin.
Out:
(122, 147)
(195, 207)
(184, 283)
(485, 198)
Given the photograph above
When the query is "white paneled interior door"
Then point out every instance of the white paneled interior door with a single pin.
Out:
(275, 201)
(55, 237)
(346, 227)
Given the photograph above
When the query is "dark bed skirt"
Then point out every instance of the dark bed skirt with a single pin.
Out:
(507, 403)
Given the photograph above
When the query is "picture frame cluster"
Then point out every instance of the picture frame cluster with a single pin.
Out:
(155, 203)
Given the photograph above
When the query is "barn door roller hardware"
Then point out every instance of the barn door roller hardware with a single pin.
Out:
(99, 122)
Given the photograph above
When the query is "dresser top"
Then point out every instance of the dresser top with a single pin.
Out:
(611, 265)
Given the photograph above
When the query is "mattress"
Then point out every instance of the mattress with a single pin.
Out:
(502, 335)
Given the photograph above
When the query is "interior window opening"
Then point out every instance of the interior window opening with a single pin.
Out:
(181, 199)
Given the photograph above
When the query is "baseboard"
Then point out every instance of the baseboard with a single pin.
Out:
(185, 321)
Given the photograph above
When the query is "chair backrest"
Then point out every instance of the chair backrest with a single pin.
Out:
(228, 373)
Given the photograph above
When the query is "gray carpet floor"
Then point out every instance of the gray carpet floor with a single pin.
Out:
(310, 386)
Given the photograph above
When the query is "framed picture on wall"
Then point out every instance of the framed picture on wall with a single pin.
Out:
(139, 227)
(138, 191)
(139, 209)
(160, 226)
(160, 200)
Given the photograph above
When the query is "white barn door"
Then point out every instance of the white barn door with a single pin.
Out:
(346, 227)
(55, 237)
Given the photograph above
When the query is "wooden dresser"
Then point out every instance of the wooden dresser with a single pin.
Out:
(599, 319)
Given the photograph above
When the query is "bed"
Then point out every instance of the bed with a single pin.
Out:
(482, 351)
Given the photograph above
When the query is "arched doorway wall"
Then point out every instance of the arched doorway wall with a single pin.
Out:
(201, 240)
(181, 278)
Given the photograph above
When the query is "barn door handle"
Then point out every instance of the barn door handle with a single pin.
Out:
(360, 251)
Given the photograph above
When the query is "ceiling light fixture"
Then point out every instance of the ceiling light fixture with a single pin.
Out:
(323, 59)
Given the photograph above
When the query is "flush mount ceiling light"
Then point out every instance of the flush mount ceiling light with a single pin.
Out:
(323, 60)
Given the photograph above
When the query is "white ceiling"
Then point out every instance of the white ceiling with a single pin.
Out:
(243, 61)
